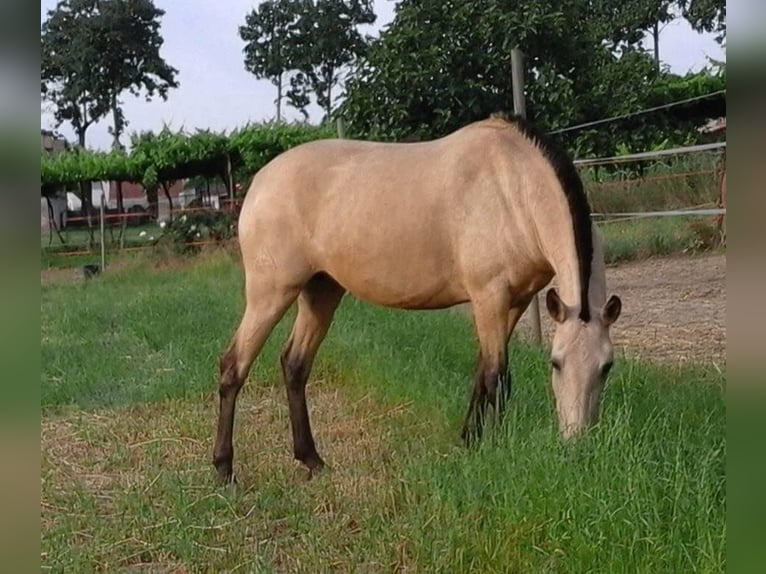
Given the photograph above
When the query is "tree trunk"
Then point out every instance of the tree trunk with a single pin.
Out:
(153, 201)
(117, 146)
(117, 129)
(86, 189)
(229, 180)
(166, 189)
(85, 186)
(656, 36)
(52, 224)
(279, 98)
(329, 93)
(121, 212)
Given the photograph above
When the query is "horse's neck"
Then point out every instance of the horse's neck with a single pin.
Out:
(565, 265)
(597, 286)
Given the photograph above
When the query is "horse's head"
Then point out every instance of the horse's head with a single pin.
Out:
(581, 358)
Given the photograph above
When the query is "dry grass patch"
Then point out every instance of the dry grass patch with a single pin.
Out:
(133, 488)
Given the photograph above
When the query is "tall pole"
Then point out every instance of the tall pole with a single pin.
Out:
(103, 248)
(341, 128)
(520, 108)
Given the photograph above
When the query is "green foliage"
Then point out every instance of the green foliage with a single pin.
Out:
(169, 156)
(77, 165)
(628, 21)
(198, 226)
(256, 145)
(328, 42)
(311, 41)
(271, 41)
(462, 72)
(706, 16)
(129, 41)
(69, 72)
(93, 51)
(584, 61)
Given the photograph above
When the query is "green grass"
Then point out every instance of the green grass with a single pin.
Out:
(128, 387)
(680, 183)
(77, 237)
(639, 239)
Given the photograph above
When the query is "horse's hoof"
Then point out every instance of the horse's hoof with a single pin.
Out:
(224, 475)
(470, 437)
(315, 465)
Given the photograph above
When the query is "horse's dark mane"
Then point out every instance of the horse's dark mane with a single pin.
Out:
(567, 174)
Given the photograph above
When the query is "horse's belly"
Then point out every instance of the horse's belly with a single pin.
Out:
(398, 284)
(432, 297)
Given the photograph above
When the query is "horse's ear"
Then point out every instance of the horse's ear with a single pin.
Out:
(556, 307)
(612, 310)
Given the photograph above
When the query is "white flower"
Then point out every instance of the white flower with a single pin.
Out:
(151, 238)
(198, 234)
(142, 234)
(183, 218)
(163, 224)
(192, 228)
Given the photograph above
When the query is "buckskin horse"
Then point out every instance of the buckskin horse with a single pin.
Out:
(486, 215)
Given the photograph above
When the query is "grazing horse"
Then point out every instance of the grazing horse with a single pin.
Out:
(486, 215)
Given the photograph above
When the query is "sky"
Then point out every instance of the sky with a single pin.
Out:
(216, 92)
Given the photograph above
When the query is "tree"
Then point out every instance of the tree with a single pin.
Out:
(440, 65)
(69, 78)
(94, 50)
(130, 41)
(706, 16)
(443, 64)
(269, 35)
(327, 42)
(627, 22)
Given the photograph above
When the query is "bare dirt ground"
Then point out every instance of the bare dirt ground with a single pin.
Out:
(673, 309)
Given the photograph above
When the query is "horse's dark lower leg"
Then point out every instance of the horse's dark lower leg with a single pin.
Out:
(472, 425)
(262, 313)
(491, 388)
(316, 307)
(498, 385)
(228, 389)
(296, 372)
(495, 318)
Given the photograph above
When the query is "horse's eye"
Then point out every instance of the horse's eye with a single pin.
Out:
(556, 364)
(606, 368)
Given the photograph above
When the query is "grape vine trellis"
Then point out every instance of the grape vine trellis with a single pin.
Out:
(171, 156)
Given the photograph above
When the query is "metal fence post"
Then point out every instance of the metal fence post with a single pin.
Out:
(520, 108)
(103, 247)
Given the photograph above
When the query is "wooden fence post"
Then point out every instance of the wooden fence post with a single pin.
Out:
(341, 127)
(722, 200)
(520, 108)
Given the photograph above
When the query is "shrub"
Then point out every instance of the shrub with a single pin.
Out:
(187, 231)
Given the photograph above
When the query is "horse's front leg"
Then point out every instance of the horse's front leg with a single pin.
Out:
(492, 383)
(491, 388)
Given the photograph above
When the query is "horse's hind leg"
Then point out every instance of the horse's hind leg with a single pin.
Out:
(494, 320)
(316, 307)
(265, 307)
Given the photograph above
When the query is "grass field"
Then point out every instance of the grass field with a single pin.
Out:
(128, 403)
